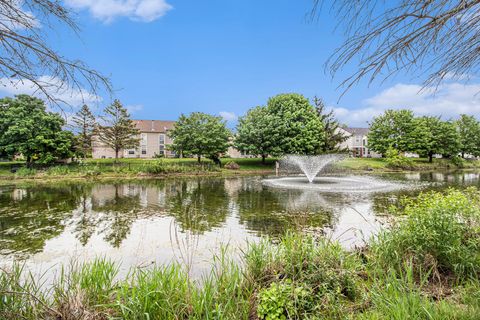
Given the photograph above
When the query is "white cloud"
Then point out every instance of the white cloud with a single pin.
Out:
(448, 101)
(134, 108)
(54, 86)
(228, 116)
(137, 10)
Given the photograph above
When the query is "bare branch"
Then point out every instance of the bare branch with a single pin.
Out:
(436, 39)
(26, 56)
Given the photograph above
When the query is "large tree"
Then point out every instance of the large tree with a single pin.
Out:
(333, 136)
(118, 131)
(387, 37)
(469, 130)
(295, 125)
(397, 129)
(26, 56)
(441, 138)
(84, 122)
(27, 129)
(200, 134)
(254, 133)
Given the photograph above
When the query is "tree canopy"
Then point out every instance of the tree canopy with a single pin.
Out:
(254, 133)
(288, 124)
(27, 129)
(397, 129)
(469, 130)
(118, 131)
(200, 134)
(441, 138)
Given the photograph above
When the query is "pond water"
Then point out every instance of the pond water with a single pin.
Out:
(138, 223)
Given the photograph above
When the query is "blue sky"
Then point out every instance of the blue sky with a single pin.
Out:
(224, 57)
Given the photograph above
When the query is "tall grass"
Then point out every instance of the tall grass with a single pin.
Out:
(424, 267)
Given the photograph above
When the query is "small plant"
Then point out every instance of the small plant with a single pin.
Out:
(232, 165)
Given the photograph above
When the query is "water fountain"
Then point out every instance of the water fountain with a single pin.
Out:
(311, 166)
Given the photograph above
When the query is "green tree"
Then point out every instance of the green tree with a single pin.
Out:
(119, 131)
(200, 134)
(254, 133)
(295, 126)
(442, 138)
(469, 130)
(84, 122)
(397, 129)
(26, 128)
(333, 136)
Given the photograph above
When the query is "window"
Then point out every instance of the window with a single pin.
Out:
(131, 151)
(144, 149)
(162, 150)
(162, 139)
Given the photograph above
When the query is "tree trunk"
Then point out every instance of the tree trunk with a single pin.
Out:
(116, 155)
(430, 157)
(263, 158)
(199, 158)
(463, 155)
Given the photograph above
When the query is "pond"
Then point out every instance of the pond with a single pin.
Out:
(141, 222)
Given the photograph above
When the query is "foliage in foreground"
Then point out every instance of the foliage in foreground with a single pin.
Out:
(425, 267)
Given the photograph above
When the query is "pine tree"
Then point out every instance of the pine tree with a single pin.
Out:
(333, 137)
(119, 131)
(84, 122)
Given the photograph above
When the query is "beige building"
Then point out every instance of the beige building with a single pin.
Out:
(357, 142)
(154, 141)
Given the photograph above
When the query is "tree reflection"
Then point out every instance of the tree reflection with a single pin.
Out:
(199, 205)
(29, 216)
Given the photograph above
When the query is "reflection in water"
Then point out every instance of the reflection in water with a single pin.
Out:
(140, 222)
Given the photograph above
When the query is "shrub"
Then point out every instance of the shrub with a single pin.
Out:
(299, 264)
(458, 161)
(232, 165)
(440, 233)
(396, 160)
(25, 172)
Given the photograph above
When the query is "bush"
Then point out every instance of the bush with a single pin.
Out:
(440, 233)
(232, 165)
(318, 277)
(458, 161)
(25, 172)
(396, 160)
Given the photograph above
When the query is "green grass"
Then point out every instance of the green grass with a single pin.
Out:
(425, 266)
(381, 164)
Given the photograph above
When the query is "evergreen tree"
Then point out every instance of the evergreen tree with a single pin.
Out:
(119, 131)
(84, 123)
(333, 136)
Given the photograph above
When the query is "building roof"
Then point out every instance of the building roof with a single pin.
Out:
(154, 125)
(357, 131)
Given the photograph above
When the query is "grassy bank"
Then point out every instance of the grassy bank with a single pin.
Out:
(125, 168)
(425, 266)
(92, 168)
(414, 164)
